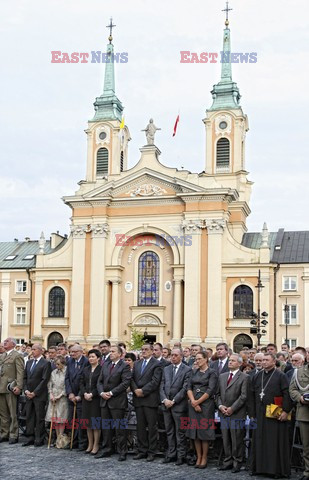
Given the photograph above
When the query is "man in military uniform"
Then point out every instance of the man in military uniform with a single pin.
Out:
(11, 384)
(299, 392)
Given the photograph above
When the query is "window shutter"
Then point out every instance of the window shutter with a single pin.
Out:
(223, 155)
(102, 161)
(121, 161)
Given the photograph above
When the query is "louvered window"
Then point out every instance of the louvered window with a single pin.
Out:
(121, 161)
(223, 155)
(102, 161)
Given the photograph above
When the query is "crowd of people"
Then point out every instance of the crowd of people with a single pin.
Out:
(186, 397)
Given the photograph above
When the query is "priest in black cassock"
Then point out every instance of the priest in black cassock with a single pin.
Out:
(270, 443)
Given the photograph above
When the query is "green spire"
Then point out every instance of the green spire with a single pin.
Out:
(225, 94)
(107, 106)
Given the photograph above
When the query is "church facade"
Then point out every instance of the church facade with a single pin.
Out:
(157, 249)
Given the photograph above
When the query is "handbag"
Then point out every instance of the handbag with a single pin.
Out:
(274, 411)
(62, 441)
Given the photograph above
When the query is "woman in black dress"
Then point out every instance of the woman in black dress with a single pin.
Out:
(91, 401)
(202, 387)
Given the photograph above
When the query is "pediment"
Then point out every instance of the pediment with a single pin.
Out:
(145, 184)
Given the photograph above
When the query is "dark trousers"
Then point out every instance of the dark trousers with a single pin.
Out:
(147, 440)
(35, 419)
(116, 414)
(80, 438)
(233, 444)
(176, 437)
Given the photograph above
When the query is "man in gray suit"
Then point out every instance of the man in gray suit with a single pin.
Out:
(173, 395)
(233, 390)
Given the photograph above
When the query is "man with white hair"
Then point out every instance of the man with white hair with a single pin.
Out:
(297, 361)
(11, 384)
(232, 401)
(258, 357)
(75, 368)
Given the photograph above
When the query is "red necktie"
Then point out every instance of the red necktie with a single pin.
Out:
(229, 379)
(111, 368)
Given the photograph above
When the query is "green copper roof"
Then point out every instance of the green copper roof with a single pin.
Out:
(225, 94)
(107, 106)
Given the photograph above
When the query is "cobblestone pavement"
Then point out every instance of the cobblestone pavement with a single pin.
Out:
(40, 463)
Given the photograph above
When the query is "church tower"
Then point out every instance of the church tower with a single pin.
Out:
(226, 126)
(108, 137)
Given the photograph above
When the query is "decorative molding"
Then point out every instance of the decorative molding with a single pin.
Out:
(128, 287)
(215, 225)
(223, 118)
(148, 242)
(146, 320)
(106, 140)
(100, 230)
(146, 190)
(193, 225)
(79, 231)
(168, 286)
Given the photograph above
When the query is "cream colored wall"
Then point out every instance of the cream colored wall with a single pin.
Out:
(295, 298)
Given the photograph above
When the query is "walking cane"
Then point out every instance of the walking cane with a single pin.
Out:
(73, 424)
(51, 425)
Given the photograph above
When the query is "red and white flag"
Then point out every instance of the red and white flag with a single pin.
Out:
(175, 126)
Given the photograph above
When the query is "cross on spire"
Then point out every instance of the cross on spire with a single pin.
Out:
(227, 10)
(110, 26)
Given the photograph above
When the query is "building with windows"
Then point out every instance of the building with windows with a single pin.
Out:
(162, 250)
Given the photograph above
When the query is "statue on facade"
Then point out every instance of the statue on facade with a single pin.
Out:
(150, 132)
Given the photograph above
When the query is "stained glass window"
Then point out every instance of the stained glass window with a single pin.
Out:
(56, 302)
(243, 302)
(148, 279)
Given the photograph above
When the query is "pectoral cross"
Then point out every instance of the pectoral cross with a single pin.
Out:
(262, 394)
(227, 10)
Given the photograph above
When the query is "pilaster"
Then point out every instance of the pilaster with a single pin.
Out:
(97, 281)
(215, 326)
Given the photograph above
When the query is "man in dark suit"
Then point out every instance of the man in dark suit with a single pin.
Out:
(53, 352)
(222, 364)
(112, 387)
(36, 377)
(233, 391)
(157, 354)
(173, 395)
(75, 367)
(145, 384)
(105, 346)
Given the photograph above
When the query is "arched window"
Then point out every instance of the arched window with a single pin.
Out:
(102, 161)
(121, 161)
(56, 301)
(148, 279)
(223, 155)
(54, 338)
(242, 302)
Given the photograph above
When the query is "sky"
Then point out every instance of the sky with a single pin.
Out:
(45, 106)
